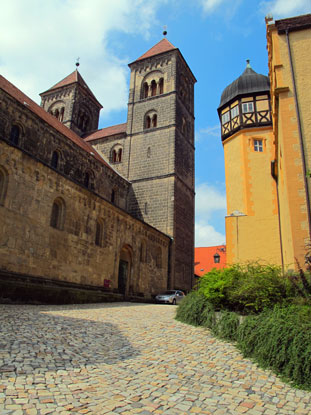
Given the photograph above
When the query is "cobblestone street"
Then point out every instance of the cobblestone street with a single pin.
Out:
(127, 358)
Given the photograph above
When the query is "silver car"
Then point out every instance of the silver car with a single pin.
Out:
(170, 297)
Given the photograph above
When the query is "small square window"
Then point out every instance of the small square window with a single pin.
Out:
(248, 107)
(258, 145)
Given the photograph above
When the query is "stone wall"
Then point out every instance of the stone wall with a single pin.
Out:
(30, 246)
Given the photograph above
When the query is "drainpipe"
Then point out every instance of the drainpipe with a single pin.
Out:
(300, 133)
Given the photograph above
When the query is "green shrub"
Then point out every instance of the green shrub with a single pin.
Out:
(257, 287)
(246, 288)
(280, 339)
(191, 309)
(215, 286)
(209, 317)
(226, 326)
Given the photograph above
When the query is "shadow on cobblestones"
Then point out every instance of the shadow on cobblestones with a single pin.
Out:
(36, 341)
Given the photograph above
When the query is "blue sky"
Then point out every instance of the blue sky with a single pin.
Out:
(40, 41)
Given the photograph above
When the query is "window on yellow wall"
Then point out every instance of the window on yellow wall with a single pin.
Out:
(258, 145)
(248, 107)
(225, 117)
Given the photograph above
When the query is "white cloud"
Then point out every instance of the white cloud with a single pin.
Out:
(209, 199)
(206, 235)
(210, 5)
(40, 41)
(209, 202)
(213, 131)
(286, 8)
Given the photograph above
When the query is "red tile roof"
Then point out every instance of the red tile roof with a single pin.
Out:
(10, 89)
(107, 132)
(73, 78)
(204, 259)
(163, 46)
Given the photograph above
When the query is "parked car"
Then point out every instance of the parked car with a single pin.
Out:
(170, 297)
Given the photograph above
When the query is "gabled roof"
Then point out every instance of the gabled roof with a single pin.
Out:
(106, 132)
(163, 46)
(23, 99)
(204, 259)
(73, 78)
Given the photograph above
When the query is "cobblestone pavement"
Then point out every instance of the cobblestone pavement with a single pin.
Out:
(128, 359)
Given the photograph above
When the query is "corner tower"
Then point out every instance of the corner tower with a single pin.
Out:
(73, 103)
(160, 131)
(252, 227)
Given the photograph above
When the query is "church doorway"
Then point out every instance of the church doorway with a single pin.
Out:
(124, 270)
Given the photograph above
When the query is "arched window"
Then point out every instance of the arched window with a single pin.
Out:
(153, 88)
(145, 90)
(148, 122)
(113, 196)
(154, 120)
(15, 134)
(58, 214)
(56, 113)
(61, 114)
(114, 156)
(55, 159)
(143, 251)
(161, 86)
(86, 181)
(3, 184)
(99, 233)
(159, 258)
(119, 157)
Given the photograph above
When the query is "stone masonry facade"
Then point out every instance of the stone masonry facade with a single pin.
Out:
(109, 209)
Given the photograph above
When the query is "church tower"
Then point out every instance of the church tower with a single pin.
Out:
(252, 227)
(160, 141)
(72, 102)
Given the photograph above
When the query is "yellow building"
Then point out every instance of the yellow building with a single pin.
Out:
(266, 134)
(289, 49)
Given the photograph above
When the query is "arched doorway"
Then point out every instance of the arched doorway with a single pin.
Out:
(125, 263)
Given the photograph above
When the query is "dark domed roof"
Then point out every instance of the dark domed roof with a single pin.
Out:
(248, 83)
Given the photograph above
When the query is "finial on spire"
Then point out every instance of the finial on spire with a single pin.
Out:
(164, 30)
(248, 65)
(77, 62)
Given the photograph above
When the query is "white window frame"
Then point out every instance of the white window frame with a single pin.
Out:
(234, 111)
(225, 117)
(258, 145)
(247, 107)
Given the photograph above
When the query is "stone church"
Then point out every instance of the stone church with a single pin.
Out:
(92, 214)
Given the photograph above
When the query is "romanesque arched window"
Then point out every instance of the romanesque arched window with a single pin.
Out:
(99, 233)
(145, 90)
(55, 159)
(161, 86)
(151, 119)
(61, 114)
(159, 257)
(86, 180)
(143, 251)
(148, 122)
(3, 184)
(116, 154)
(153, 88)
(113, 196)
(154, 120)
(58, 214)
(15, 135)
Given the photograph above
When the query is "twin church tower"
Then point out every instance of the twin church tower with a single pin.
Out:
(153, 150)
